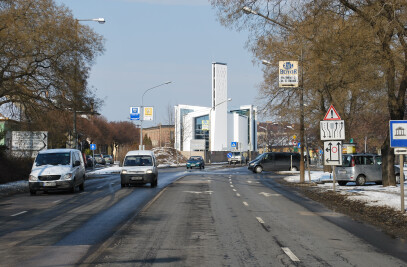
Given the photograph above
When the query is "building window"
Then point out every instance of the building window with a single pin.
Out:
(199, 132)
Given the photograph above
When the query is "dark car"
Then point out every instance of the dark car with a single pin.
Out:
(195, 162)
(275, 161)
(89, 161)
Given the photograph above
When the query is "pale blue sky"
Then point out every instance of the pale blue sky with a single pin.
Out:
(149, 42)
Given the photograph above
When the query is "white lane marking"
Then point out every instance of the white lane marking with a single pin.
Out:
(290, 254)
(197, 192)
(234, 190)
(18, 213)
(269, 194)
(260, 220)
(99, 187)
(230, 182)
(245, 203)
(237, 194)
(231, 186)
(57, 201)
(249, 182)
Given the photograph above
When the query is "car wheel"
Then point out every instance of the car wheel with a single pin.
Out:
(361, 180)
(154, 183)
(123, 185)
(397, 178)
(73, 188)
(342, 183)
(33, 192)
(294, 169)
(258, 169)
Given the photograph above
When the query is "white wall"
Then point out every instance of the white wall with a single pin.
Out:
(219, 118)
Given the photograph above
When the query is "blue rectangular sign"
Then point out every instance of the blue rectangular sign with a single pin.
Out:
(233, 144)
(398, 133)
(92, 146)
(135, 113)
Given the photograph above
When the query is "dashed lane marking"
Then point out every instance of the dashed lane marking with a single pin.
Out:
(245, 203)
(234, 190)
(237, 194)
(18, 213)
(260, 220)
(290, 254)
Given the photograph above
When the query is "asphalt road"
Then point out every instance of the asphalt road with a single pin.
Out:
(211, 217)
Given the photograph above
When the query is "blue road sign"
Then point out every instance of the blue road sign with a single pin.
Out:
(299, 145)
(234, 144)
(92, 146)
(398, 133)
(135, 113)
(229, 155)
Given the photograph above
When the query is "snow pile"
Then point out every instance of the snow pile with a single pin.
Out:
(168, 157)
(371, 194)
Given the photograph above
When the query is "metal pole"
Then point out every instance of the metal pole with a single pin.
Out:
(402, 183)
(334, 178)
(302, 167)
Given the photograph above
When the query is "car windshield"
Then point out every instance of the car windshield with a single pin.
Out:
(138, 161)
(235, 153)
(106, 156)
(259, 157)
(53, 159)
(195, 158)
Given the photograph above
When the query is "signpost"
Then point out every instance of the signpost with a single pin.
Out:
(288, 74)
(148, 113)
(398, 140)
(93, 148)
(28, 143)
(135, 113)
(333, 132)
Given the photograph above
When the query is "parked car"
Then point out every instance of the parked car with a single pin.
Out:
(89, 161)
(99, 159)
(275, 161)
(195, 162)
(57, 169)
(108, 159)
(361, 168)
(237, 157)
(139, 167)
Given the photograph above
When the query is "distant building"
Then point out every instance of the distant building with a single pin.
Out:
(216, 125)
(161, 135)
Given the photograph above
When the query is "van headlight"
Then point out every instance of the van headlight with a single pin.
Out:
(149, 171)
(124, 171)
(32, 178)
(67, 176)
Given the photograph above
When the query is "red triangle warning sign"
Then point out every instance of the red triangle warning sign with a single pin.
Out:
(332, 115)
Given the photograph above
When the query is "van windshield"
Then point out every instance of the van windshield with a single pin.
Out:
(138, 161)
(53, 159)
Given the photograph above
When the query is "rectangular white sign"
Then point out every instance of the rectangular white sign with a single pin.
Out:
(333, 153)
(288, 74)
(148, 113)
(332, 130)
(197, 144)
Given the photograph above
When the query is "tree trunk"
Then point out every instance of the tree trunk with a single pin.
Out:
(388, 163)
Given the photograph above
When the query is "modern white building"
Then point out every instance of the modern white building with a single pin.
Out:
(216, 125)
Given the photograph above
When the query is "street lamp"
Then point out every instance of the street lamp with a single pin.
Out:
(248, 10)
(142, 111)
(75, 135)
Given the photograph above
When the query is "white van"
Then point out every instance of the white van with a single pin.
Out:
(56, 169)
(139, 167)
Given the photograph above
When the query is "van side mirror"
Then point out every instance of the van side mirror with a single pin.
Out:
(77, 163)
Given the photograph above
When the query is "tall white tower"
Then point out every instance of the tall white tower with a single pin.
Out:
(219, 122)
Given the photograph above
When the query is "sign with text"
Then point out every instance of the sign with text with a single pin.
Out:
(288, 74)
(148, 113)
(135, 113)
(205, 125)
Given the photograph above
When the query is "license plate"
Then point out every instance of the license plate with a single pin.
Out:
(342, 171)
(136, 178)
(50, 184)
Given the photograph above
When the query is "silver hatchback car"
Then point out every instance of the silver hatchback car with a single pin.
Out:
(362, 168)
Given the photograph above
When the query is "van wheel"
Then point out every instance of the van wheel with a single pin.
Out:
(154, 183)
(82, 186)
(258, 169)
(33, 192)
(294, 169)
(123, 185)
(361, 180)
(342, 183)
(397, 178)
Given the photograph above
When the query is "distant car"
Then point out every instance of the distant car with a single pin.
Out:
(361, 168)
(99, 159)
(89, 161)
(275, 161)
(139, 167)
(108, 159)
(237, 157)
(195, 162)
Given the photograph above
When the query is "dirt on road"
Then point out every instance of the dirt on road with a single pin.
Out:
(389, 220)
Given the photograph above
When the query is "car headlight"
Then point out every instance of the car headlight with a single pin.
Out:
(149, 171)
(251, 164)
(124, 171)
(33, 178)
(67, 176)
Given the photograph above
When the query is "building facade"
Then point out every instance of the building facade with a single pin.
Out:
(161, 135)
